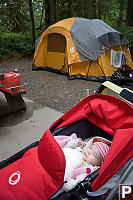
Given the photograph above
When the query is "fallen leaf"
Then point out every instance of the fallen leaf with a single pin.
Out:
(55, 100)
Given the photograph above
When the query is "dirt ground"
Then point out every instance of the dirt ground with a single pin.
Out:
(52, 90)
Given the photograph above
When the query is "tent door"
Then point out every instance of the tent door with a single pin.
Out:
(56, 45)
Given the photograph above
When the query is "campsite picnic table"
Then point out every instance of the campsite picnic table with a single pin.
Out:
(14, 99)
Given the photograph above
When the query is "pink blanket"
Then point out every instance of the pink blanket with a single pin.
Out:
(62, 140)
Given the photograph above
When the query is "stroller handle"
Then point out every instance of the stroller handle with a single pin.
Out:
(125, 93)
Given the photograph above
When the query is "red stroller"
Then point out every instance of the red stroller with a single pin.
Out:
(37, 172)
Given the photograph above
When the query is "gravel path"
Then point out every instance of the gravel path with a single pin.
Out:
(52, 90)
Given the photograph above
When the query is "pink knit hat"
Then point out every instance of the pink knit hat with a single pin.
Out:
(103, 149)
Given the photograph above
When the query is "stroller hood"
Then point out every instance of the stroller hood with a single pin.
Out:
(113, 116)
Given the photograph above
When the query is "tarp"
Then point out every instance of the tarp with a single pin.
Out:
(90, 36)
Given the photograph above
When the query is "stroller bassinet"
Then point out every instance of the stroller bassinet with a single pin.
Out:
(37, 172)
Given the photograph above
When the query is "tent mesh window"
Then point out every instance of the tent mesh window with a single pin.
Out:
(56, 43)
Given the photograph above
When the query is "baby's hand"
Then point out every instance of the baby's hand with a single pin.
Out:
(97, 167)
(80, 142)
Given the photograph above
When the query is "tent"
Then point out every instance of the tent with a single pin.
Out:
(82, 48)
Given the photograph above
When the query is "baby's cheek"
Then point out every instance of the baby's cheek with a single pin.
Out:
(83, 155)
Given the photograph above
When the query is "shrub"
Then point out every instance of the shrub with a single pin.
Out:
(19, 42)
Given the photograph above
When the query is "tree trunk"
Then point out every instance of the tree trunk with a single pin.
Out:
(2, 2)
(129, 19)
(42, 14)
(90, 9)
(32, 22)
(120, 13)
(94, 9)
(46, 14)
(99, 9)
(51, 12)
(69, 8)
(105, 11)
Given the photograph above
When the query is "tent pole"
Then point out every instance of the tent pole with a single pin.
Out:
(101, 70)
(69, 70)
(89, 68)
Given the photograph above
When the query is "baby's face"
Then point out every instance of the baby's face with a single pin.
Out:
(91, 155)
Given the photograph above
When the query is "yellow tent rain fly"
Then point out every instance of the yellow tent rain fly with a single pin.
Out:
(82, 48)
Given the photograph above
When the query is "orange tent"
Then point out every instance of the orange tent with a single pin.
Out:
(81, 48)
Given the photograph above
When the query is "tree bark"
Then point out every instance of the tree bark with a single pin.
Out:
(32, 22)
(51, 12)
(105, 11)
(90, 9)
(99, 9)
(94, 9)
(129, 19)
(46, 14)
(42, 14)
(120, 13)
(69, 8)
(2, 2)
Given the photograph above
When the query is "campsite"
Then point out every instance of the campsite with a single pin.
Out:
(50, 89)
(66, 75)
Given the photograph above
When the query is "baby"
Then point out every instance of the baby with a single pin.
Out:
(81, 159)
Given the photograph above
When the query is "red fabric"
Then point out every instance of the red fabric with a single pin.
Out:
(116, 118)
(54, 159)
(11, 79)
(35, 181)
(88, 170)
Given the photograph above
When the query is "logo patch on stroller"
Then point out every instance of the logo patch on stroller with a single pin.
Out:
(14, 178)
(125, 191)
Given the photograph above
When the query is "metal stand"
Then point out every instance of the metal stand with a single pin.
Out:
(14, 103)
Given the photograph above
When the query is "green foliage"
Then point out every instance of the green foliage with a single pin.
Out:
(78, 9)
(14, 16)
(15, 22)
(12, 43)
(128, 32)
(38, 6)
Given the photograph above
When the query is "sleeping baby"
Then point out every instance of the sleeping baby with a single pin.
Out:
(81, 158)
